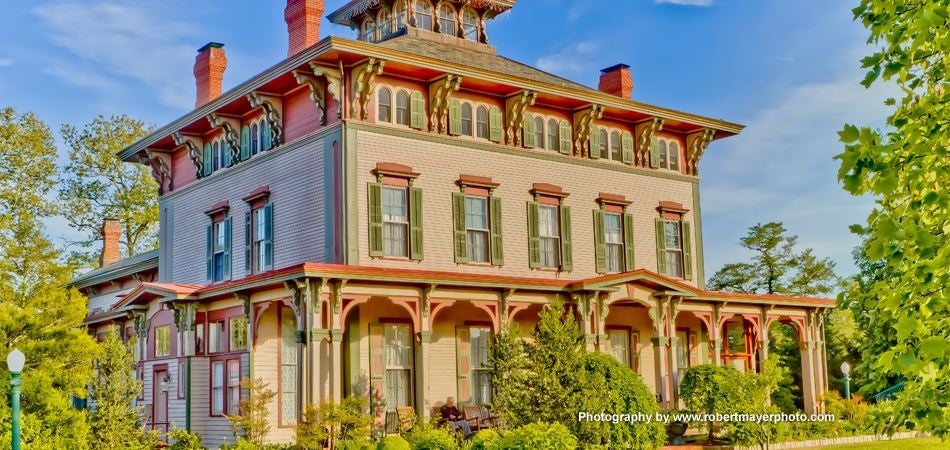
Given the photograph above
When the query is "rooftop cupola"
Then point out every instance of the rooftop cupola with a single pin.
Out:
(379, 20)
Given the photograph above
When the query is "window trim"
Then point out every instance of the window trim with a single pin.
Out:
(281, 422)
(417, 6)
(389, 105)
(476, 24)
(667, 143)
(455, 19)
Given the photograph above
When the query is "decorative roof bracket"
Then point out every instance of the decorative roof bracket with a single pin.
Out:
(440, 91)
(645, 132)
(161, 169)
(514, 111)
(271, 115)
(334, 83)
(193, 145)
(364, 81)
(230, 127)
(583, 121)
(696, 144)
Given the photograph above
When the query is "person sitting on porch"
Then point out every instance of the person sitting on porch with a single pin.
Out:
(452, 415)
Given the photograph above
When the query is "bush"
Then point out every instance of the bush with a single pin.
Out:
(610, 386)
(393, 442)
(539, 435)
(251, 418)
(485, 440)
(709, 389)
(240, 444)
(427, 437)
(185, 440)
(311, 432)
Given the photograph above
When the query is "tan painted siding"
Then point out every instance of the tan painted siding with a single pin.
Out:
(440, 166)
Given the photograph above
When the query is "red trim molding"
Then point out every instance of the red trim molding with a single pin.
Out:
(476, 181)
(548, 190)
(612, 199)
(219, 208)
(672, 207)
(260, 192)
(394, 169)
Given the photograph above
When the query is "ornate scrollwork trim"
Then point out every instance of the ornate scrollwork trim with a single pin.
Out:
(515, 107)
(583, 127)
(440, 91)
(230, 128)
(696, 144)
(271, 115)
(364, 81)
(645, 131)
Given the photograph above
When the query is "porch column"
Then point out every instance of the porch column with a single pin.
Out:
(585, 309)
(715, 335)
(763, 336)
(422, 350)
(808, 373)
(674, 344)
(336, 341)
(660, 341)
(602, 310)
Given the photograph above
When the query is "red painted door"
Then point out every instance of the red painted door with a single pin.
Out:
(160, 400)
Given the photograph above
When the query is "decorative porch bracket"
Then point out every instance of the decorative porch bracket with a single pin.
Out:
(696, 144)
(230, 128)
(193, 145)
(440, 91)
(645, 132)
(271, 114)
(185, 313)
(514, 110)
(503, 304)
(161, 168)
(583, 127)
(364, 82)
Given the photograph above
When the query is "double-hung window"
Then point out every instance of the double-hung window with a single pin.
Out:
(423, 15)
(620, 345)
(395, 222)
(217, 388)
(447, 20)
(397, 340)
(234, 385)
(466, 119)
(395, 217)
(674, 248)
(674, 245)
(550, 236)
(613, 239)
(384, 105)
(402, 108)
(219, 250)
(476, 226)
(481, 122)
(217, 337)
(259, 238)
(469, 24)
(481, 370)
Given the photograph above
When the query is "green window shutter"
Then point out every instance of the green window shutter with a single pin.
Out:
(534, 236)
(600, 242)
(268, 247)
(207, 160)
(594, 142)
(266, 138)
(209, 253)
(497, 246)
(417, 110)
(628, 244)
(415, 224)
(564, 133)
(245, 142)
(660, 247)
(494, 124)
(377, 362)
(655, 153)
(248, 240)
(687, 251)
(529, 130)
(461, 237)
(626, 146)
(463, 366)
(227, 248)
(375, 218)
(455, 117)
(567, 257)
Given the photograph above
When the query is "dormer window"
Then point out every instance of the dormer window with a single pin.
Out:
(368, 33)
(385, 20)
(469, 24)
(423, 15)
(399, 11)
(447, 23)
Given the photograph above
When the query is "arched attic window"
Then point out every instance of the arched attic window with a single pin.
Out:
(447, 23)
(399, 15)
(467, 119)
(539, 131)
(554, 141)
(481, 122)
(402, 108)
(368, 32)
(469, 24)
(385, 21)
(423, 14)
(384, 105)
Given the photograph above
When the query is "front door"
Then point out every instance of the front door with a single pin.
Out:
(160, 400)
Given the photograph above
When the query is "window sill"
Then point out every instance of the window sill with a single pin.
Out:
(476, 264)
(393, 258)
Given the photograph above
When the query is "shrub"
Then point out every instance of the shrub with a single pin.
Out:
(252, 412)
(393, 442)
(539, 435)
(240, 444)
(185, 440)
(708, 389)
(427, 437)
(311, 432)
(485, 440)
(610, 386)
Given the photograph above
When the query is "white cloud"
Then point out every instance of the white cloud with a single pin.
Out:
(6, 62)
(117, 40)
(685, 2)
(572, 61)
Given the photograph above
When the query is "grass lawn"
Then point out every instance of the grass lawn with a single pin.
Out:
(900, 444)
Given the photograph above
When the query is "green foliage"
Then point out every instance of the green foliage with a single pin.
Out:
(539, 435)
(251, 418)
(426, 437)
(709, 389)
(96, 184)
(114, 420)
(184, 440)
(347, 421)
(393, 442)
(37, 314)
(754, 391)
(612, 387)
(904, 167)
(240, 444)
(311, 432)
(485, 440)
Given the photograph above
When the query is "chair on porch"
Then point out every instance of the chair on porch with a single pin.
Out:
(478, 417)
(406, 415)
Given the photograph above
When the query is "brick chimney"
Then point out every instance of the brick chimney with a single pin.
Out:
(303, 24)
(209, 72)
(111, 233)
(617, 80)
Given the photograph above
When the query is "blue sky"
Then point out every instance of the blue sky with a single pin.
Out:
(787, 70)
